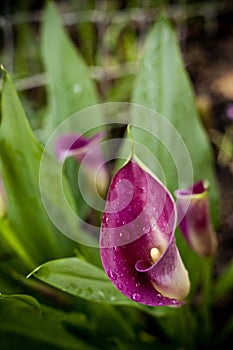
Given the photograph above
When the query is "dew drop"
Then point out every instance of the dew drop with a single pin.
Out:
(101, 293)
(146, 229)
(137, 284)
(124, 234)
(120, 286)
(105, 219)
(116, 249)
(112, 298)
(136, 297)
(112, 275)
(77, 89)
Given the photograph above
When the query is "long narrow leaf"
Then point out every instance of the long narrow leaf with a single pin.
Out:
(70, 87)
(20, 156)
(162, 84)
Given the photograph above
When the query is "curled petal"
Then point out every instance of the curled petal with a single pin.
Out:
(194, 217)
(137, 243)
(87, 152)
(3, 200)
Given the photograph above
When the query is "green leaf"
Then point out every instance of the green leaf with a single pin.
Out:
(24, 324)
(81, 279)
(25, 302)
(10, 236)
(224, 283)
(89, 282)
(162, 84)
(20, 156)
(70, 87)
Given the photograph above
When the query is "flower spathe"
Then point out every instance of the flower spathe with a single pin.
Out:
(194, 217)
(137, 243)
(87, 152)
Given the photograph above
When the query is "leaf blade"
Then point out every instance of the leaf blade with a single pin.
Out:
(163, 85)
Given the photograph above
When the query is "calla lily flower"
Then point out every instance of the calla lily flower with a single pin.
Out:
(3, 201)
(137, 243)
(86, 151)
(194, 217)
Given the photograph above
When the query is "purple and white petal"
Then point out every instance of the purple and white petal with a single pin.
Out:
(137, 243)
(195, 220)
(88, 154)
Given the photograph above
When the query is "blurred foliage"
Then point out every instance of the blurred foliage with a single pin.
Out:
(107, 36)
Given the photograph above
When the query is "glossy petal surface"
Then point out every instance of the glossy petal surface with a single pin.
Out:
(137, 243)
(194, 217)
(87, 152)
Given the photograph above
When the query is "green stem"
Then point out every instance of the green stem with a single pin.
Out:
(205, 312)
(131, 141)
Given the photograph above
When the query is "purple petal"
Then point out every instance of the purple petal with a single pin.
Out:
(194, 217)
(137, 243)
(3, 200)
(85, 151)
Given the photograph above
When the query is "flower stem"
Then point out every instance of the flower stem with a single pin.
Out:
(131, 141)
(205, 313)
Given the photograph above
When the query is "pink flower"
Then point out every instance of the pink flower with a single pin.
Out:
(137, 243)
(86, 151)
(194, 217)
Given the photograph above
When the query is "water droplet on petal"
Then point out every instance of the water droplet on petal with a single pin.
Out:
(146, 229)
(120, 286)
(136, 297)
(112, 275)
(125, 235)
(117, 249)
(112, 298)
(105, 219)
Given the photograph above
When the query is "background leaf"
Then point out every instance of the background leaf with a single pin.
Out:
(162, 84)
(20, 154)
(70, 87)
(24, 323)
(224, 283)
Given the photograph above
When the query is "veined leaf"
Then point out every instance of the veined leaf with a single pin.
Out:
(20, 156)
(89, 282)
(70, 87)
(81, 279)
(162, 84)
